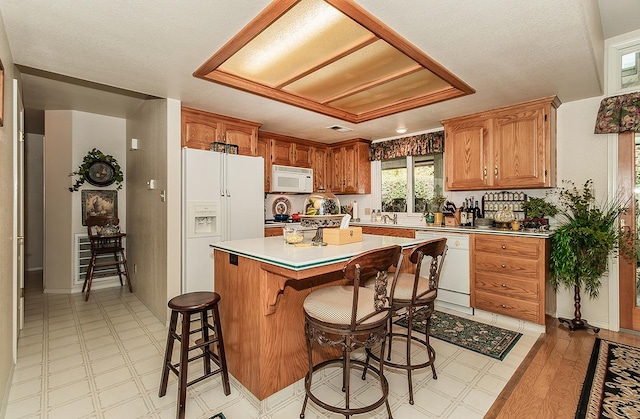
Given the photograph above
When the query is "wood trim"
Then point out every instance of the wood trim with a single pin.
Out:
(552, 100)
(627, 266)
(346, 52)
(367, 20)
(246, 34)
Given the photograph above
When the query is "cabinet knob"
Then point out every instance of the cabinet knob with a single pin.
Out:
(504, 266)
(495, 171)
(504, 246)
(504, 306)
(485, 172)
(504, 285)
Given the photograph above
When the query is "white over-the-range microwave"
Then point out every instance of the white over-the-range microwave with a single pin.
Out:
(291, 179)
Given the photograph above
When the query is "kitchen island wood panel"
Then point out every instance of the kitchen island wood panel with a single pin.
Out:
(263, 284)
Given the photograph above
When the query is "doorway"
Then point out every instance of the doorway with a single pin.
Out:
(629, 265)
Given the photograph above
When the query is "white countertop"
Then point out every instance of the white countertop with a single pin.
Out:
(276, 251)
(460, 229)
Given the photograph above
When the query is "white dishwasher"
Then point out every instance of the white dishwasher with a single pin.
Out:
(454, 288)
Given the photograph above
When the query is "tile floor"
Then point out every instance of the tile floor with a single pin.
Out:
(102, 359)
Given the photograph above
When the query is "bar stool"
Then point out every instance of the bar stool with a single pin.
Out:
(188, 304)
(351, 317)
(413, 292)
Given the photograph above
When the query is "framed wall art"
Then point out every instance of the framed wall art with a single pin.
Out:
(98, 202)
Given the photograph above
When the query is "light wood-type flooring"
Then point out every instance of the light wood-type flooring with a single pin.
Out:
(549, 381)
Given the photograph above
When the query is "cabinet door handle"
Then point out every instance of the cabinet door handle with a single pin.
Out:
(503, 265)
(504, 246)
(504, 306)
(504, 285)
(485, 172)
(495, 171)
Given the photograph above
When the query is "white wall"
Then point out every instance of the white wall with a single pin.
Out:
(7, 283)
(69, 135)
(583, 155)
(34, 200)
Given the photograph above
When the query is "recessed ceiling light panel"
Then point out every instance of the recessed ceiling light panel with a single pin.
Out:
(331, 57)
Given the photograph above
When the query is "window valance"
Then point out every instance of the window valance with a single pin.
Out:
(619, 114)
(415, 145)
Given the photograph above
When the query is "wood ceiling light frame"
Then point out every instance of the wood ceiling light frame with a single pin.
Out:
(210, 71)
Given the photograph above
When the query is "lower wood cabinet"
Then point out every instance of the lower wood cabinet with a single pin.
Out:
(273, 231)
(389, 231)
(509, 276)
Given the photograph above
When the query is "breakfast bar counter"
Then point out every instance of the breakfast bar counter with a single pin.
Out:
(263, 283)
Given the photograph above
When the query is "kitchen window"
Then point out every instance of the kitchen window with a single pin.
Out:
(409, 182)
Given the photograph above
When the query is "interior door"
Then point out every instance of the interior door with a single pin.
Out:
(629, 272)
(18, 215)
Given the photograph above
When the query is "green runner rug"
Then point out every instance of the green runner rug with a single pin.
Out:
(492, 341)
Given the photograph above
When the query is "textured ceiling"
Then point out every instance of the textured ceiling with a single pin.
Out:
(509, 50)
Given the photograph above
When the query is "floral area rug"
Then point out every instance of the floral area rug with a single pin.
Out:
(611, 388)
(492, 341)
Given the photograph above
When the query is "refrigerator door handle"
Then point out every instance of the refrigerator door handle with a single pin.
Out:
(221, 175)
(226, 175)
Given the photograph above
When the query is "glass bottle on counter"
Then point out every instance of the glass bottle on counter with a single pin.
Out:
(477, 213)
(470, 213)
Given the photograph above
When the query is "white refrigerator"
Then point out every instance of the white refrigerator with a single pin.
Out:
(223, 199)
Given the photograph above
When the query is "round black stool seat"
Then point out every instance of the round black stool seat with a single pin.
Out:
(194, 301)
(210, 345)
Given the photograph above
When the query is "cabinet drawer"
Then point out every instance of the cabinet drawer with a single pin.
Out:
(519, 309)
(510, 287)
(521, 247)
(503, 265)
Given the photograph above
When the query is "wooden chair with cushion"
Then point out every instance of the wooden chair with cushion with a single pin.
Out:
(413, 292)
(105, 240)
(351, 317)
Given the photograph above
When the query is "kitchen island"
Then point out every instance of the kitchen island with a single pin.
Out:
(263, 283)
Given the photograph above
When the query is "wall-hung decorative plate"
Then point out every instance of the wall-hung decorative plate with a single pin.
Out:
(101, 173)
(281, 206)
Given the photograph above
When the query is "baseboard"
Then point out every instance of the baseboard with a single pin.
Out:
(509, 322)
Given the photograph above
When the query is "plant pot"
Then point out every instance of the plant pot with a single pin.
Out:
(437, 218)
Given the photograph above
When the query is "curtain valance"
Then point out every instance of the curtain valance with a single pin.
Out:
(619, 114)
(415, 145)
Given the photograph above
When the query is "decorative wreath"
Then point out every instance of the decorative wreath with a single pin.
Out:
(98, 169)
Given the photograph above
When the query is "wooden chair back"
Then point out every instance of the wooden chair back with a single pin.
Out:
(376, 263)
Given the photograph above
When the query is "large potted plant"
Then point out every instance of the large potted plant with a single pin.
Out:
(586, 236)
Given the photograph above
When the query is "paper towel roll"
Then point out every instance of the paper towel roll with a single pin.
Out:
(355, 209)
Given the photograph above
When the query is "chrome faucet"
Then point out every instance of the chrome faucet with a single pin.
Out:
(390, 218)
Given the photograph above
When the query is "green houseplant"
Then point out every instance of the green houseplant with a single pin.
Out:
(88, 162)
(435, 206)
(587, 234)
(537, 209)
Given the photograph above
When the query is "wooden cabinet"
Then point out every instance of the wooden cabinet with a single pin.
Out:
(509, 276)
(513, 147)
(322, 168)
(273, 231)
(351, 168)
(389, 231)
(200, 129)
(263, 149)
(288, 151)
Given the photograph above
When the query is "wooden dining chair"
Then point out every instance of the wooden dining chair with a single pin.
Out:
(105, 239)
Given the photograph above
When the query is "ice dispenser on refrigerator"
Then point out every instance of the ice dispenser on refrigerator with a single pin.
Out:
(203, 219)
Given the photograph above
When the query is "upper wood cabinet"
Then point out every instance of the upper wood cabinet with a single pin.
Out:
(512, 147)
(322, 168)
(351, 168)
(288, 151)
(200, 129)
(264, 150)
